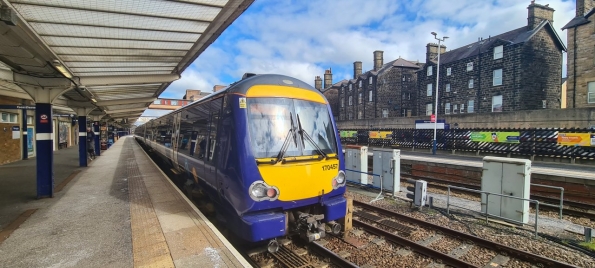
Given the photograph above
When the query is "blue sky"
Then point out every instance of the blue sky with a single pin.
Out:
(303, 38)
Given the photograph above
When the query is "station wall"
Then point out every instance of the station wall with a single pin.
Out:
(546, 118)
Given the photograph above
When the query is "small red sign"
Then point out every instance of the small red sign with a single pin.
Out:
(432, 118)
(43, 118)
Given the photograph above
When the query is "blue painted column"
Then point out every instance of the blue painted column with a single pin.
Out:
(193, 142)
(82, 141)
(45, 153)
(96, 132)
(24, 136)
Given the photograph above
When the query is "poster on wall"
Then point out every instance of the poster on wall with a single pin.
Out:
(576, 139)
(63, 132)
(381, 135)
(348, 134)
(503, 137)
(30, 148)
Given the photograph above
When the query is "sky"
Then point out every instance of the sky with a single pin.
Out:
(303, 38)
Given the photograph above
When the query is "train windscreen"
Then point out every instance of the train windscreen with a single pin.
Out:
(274, 122)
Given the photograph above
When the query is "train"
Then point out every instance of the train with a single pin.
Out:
(265, 151)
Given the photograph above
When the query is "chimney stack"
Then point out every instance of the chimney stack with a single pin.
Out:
(432, 51)
(357, 69)
(583, 6)
(318, 83)
(218, 87)
(328, 78)
(539, 13)
(378, 60)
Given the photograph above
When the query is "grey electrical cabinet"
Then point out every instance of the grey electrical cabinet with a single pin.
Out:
(387, 164)
(510, 177)
(356, 164)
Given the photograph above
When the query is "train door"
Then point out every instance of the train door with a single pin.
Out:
(211, 144)
(176, 139)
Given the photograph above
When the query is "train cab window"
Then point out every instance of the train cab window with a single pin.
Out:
(273, 122)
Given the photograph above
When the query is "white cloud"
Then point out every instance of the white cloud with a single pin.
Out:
(303, 38)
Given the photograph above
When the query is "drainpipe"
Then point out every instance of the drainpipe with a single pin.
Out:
(574, 72)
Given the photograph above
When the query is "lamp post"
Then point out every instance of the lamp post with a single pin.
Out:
(434, 145)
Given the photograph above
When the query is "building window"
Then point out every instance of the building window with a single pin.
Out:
(470, 106)
(174, 102)
(448, 70)
(384, 113)
(447, 108)
(470, 83)
(428, 109)
(369, 80)
(455, 108)
(360, 83)
(360, 98)
(429, 70)
(9, 118)
(29, 120)
(470, 66)
(350, 87)
(462, 108)
(429, 91)
(342, 102)
(157, 101)
(591, 94)
(403, 78)
(447, 87)
(498, 77)
(497, 104)
(544, 102)
(350, 116)
(350, 101)
(359, 115)
(370, 96)
(408, 96)
(498, 52)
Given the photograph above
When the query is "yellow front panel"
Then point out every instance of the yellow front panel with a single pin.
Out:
(301, 180)
(272, 91)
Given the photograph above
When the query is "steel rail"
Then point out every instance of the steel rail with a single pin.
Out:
(336, 259)
(526, 256)
(452, 261)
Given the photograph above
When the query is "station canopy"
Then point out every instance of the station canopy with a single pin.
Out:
(120, 54)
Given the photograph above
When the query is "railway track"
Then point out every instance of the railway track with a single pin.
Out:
(572, 208)
(446, 258)
(293, 256)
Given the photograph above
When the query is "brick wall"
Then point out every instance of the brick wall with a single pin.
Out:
(585, 64)
(10, 148)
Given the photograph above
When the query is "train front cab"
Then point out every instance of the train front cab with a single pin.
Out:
(293, 173)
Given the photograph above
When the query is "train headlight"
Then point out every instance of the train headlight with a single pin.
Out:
(339, 180)
(260, 191)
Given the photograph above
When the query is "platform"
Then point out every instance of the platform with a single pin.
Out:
(121, 211)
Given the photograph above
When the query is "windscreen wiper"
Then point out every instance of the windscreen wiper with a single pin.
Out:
(305, 134)
(285, 146)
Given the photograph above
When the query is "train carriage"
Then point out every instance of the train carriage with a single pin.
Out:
(265, 151)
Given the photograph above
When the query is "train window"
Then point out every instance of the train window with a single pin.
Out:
(270, 122)
(214, 114)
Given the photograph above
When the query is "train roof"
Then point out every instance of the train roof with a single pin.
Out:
(241, 87)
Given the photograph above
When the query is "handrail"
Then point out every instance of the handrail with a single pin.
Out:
(487, 204)
(379, 196)
(561, 206)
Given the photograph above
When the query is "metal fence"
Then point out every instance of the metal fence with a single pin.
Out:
(531, 142)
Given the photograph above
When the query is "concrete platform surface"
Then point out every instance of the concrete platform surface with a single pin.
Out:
(122, 211)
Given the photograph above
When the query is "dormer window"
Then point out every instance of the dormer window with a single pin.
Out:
(369, 80)
(430, 70)
(360, 83)
(469, 66)
(350, 87)
(448, 71)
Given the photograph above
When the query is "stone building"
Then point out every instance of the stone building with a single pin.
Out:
(516, 70)
(388, 90)
(580, 86)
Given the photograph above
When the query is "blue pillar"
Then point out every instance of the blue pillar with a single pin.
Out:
(193, 142)
(96, 131)
(82, 141)
(24, 136)
(45, 150)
